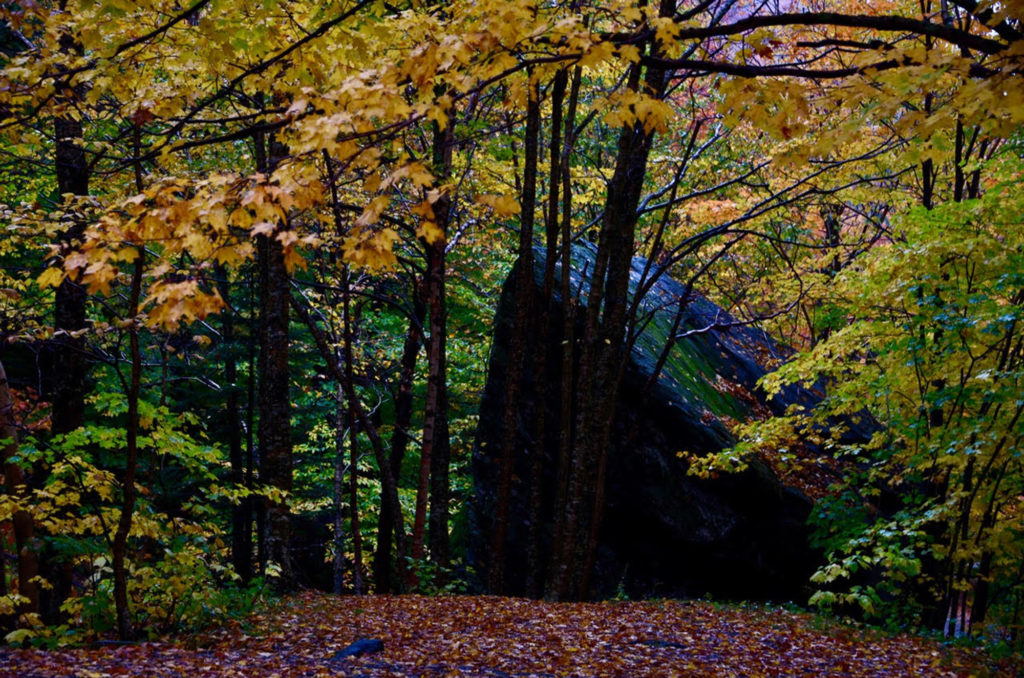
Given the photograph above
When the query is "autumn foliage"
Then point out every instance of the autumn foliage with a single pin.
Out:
(250, 260)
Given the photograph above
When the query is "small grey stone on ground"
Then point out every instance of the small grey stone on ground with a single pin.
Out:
(360, 647)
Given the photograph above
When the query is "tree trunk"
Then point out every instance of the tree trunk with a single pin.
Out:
(436, 406)
(69, 367)
(567, 385)
(124, 523)
(523, 273)
(257, 507)
(391, 521)
(618, 234)
(274, 430)
(389, 487)
(338, 584)
(435, 452)
(241, 519)
(535, 569)
(353, 466)
(399, 443)
(603, 353)
(14, 485)
(435, 429)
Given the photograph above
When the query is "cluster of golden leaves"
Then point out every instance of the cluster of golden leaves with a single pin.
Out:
(349, 96)
(358, 82)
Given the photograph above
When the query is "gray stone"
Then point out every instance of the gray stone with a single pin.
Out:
(359, 648)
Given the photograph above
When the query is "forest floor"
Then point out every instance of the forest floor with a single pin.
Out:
(498, 637)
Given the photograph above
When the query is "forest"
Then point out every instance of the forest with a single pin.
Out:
(305, 305)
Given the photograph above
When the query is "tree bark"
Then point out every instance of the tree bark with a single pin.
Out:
(69, 367)
(567, 384)
(14, 485)
(435, 453)
(338, 581)
(535, 568)
(69, 303)
(382, 565)
(619, 234)
(257, 507)
(274, 430)
(241, 513)
(350, 420)
(436, 406)
(390, 518)
(603, 353)
(389, 487)
(124, 523)
(523, 273)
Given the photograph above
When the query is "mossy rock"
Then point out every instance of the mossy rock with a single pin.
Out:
(664, 533)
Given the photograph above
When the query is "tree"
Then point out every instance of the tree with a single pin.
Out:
(14, 477)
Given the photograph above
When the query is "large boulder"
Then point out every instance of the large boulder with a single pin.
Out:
(664, 532)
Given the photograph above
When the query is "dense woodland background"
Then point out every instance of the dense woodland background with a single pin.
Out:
(252, 251)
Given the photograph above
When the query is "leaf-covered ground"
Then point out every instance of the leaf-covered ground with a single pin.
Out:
(489, 636)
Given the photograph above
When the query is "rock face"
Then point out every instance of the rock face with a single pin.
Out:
(664, 533)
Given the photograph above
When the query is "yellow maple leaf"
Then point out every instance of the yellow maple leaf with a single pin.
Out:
(597, 54)
(503, 205)
(423, 209)
(51, 277)
(430, 231)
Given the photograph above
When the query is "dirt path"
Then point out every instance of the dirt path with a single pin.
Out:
(499, 637)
